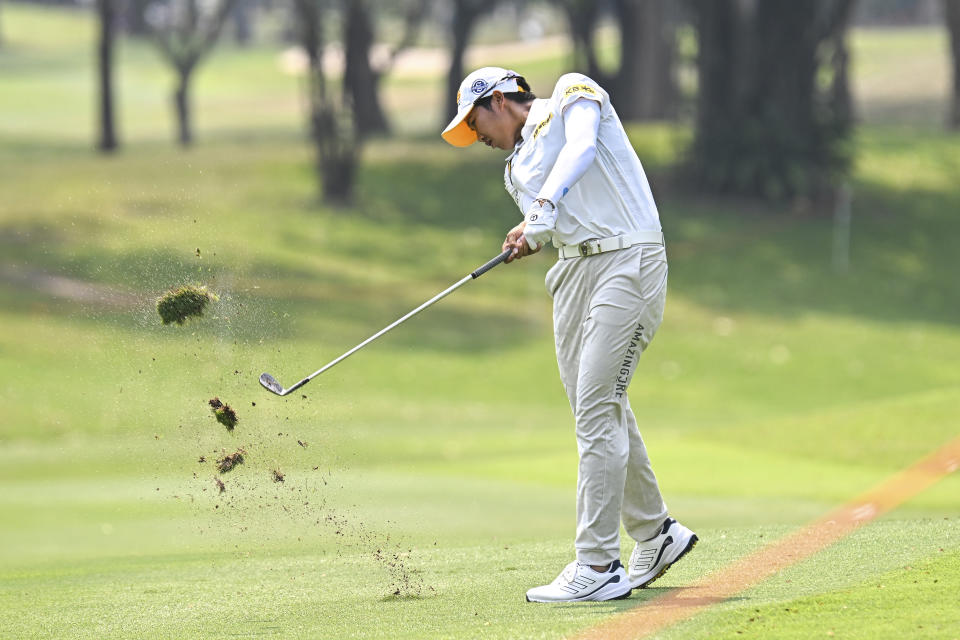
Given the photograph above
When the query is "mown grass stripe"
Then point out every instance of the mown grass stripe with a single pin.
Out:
(682, 603)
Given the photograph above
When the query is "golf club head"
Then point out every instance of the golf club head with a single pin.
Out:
(270, 384)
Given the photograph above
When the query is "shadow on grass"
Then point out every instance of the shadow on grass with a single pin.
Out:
(457, 195)
(119, 292)
(723, 256)
(642, 597)
(902, 258)
(605, 612)
(734, 257)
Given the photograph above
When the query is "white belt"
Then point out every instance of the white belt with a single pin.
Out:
(594, 246)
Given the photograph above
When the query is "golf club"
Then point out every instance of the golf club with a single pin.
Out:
(271, 384)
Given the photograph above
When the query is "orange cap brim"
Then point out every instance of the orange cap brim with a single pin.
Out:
(458, 133)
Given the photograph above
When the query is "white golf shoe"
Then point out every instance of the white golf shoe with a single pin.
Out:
(579, 582)
(651, 559)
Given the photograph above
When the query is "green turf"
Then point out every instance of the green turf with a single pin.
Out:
(439, 462)
(911, 592)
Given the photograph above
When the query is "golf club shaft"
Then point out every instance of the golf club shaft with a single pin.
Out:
(474, 275)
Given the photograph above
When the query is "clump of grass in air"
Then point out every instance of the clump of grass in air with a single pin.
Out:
(229, 461)
(224, 413)
(181, 303)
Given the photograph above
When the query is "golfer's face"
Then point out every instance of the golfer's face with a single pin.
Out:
(492, 125)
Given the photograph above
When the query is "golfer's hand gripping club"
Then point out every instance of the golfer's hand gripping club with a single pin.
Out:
(271, 384)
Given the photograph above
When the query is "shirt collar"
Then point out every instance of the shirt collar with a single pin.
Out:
(538, 110)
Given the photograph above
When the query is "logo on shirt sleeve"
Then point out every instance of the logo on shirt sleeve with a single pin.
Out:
(583, 89)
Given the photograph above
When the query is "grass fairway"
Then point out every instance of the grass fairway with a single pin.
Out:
(428, 480)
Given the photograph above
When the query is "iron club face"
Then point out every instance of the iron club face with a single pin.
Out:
(270, 384)
(273, 386)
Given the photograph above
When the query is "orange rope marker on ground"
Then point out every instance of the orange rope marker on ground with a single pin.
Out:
(680, 604)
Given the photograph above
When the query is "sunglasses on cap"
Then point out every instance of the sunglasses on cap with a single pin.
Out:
(489, 90)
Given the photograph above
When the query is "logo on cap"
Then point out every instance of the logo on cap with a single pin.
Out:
(479, 86)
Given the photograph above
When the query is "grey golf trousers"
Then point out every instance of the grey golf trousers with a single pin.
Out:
(606, 310)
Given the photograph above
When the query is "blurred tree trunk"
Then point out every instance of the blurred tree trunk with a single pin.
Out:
(582, 18)
(952, 10)
(645, 87)
(644, 84)
(186, 35)
(719, 89)
(242, 22)
(465, 16)
(181, 102)
(106, 10)
(768, 124)
(832, 30)
(361, 80)
(135, 18)
(332, 128)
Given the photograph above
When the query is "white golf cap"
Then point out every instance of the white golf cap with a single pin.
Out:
(479, 84)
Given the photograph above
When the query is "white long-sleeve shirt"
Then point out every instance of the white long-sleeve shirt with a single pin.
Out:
(597, 197)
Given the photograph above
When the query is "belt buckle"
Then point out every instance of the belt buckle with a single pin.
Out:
(586, 249)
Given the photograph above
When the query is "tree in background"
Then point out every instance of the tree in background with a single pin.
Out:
(185, 32)
(898, 12)
(242, 18)
(773, 111)
(466, 13)
(644, 85)
(361, 77)
(952, 12)
(134, 18)
(582, 16)
(106, 13)
(332, 127)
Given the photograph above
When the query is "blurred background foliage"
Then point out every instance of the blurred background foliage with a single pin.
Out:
(765, 87)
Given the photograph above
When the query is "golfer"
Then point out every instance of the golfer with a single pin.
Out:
(581, 187)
